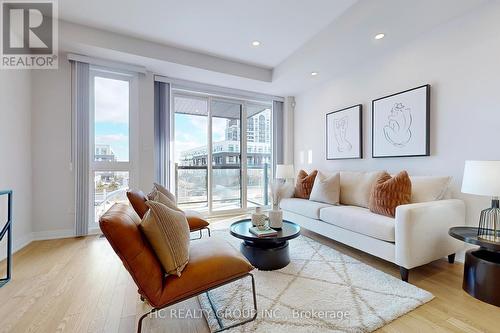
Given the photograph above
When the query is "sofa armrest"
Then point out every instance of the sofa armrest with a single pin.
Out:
(421, 231)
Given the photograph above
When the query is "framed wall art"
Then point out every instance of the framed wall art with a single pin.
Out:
(401, 124)
(344, 133)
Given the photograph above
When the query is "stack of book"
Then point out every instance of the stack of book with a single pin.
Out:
(263, 233)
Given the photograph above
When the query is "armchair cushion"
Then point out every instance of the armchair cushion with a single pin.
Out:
(138, 200)
(211, 263)
(195, 220)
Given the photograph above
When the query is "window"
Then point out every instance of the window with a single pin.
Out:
(222, 152)
(112, 105)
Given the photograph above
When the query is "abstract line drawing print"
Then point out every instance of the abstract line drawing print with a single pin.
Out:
(398, 129)
(340, 129)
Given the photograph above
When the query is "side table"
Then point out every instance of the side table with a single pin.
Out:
(482, 266)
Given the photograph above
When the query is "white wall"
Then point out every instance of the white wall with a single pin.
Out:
(461, 61)
(53, 194)
(53, 181)
(15, 153)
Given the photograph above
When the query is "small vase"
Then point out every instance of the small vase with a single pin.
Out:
(276, 219)
(259, 218)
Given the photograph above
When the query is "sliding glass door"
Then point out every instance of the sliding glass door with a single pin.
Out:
(236, 137)
(226, 189)
(259, 154)
(191, 151)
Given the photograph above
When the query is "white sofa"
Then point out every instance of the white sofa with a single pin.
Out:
(416, 236)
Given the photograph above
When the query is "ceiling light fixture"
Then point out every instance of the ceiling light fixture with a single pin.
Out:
(256, 43)
(314, 73)
(379, 36)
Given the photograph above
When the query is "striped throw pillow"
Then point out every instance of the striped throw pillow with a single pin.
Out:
(167, 231)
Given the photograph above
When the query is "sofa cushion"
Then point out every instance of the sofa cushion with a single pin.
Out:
(355, 187)
(428, 188)
(326, 188)
(360, 220)
(304, 184)
(303, 207)
(390, 192)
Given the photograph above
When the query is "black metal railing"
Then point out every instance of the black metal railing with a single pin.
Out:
(7, 230)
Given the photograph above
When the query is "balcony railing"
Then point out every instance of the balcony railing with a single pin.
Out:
(192, 186)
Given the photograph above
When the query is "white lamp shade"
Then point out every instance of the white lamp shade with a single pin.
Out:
(284, 171)
(482, 178)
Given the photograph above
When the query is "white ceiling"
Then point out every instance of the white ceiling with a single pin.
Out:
(299, 36)
(224, 28)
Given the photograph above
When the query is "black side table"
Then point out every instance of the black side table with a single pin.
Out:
(482, 266)
(7, 229)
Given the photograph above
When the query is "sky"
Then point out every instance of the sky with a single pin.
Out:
(112, 115)
(191, 132)
(112, 121)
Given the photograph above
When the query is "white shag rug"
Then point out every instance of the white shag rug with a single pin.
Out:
(321, 290)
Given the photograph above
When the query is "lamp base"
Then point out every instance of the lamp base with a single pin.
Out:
(489, 222)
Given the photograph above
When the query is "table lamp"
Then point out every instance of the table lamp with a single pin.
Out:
(483, 178)
(284, 171)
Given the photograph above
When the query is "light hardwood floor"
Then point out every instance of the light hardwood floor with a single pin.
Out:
(79, 285)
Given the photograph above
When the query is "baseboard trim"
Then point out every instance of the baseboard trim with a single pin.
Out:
(53, 234)
(17, 244)
(20, 243)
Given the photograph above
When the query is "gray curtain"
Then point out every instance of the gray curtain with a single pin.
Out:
(162, 133)
(80, 97)
(278, 149)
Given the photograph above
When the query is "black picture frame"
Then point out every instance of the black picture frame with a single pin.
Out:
(427, 152)
(360, 129)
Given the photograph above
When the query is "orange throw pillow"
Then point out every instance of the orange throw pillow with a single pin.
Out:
(304, 184)
(389, 192)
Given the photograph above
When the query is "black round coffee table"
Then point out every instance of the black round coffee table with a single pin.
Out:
(481, 267)
(266, 253)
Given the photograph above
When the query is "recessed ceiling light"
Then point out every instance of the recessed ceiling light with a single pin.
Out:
(379, 36)
(314, 73)
(255, 43)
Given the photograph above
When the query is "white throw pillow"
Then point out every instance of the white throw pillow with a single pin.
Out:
(428, 188)
(326, 188)
(355, 187)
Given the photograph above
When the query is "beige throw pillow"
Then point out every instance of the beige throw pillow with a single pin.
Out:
(167, 231)
(165, 191)
(162, 198)
(429, 188)
(355, 187)
(326, 188)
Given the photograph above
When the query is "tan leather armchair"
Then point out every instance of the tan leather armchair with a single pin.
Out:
(212, 263)
(195, 220)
